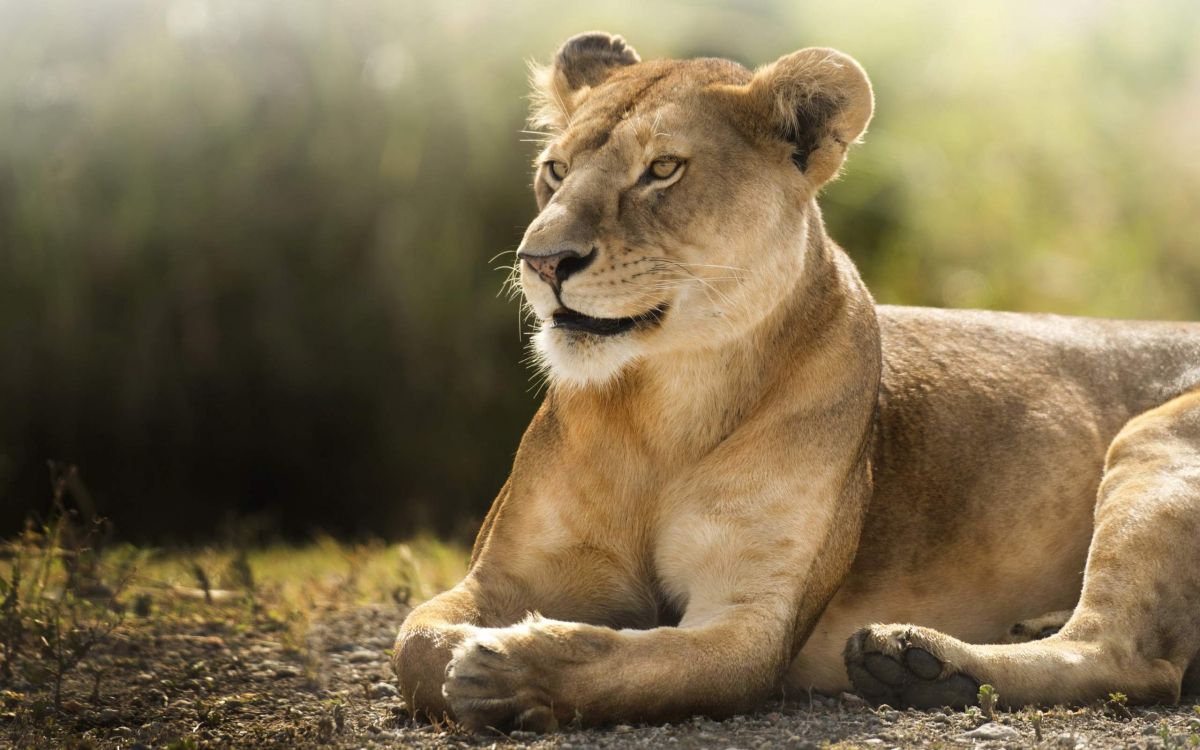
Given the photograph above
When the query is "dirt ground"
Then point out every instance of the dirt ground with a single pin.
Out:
(213, 681)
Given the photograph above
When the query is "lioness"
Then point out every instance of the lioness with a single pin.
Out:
(742, 462)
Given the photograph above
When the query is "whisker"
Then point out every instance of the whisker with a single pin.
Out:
(684, 264)
(679, 281)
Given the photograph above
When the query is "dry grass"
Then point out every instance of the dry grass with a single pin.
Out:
(62, 593)
(325, 572)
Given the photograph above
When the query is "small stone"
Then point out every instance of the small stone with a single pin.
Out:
(873, 741)
(384, 690)
(362, 656)
(993, 731)
(108, 717)
(518, 734)
(285, 672)
(622, 728)
(1069, 741)
(851, 699)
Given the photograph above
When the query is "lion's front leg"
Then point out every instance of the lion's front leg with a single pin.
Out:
(754, 585)
(541, 673)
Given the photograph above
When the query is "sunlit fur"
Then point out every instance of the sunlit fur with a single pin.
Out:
(708, 512)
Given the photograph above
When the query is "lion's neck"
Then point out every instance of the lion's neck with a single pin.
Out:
(681, 405)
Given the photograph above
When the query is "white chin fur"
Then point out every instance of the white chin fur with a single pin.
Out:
(582, 360)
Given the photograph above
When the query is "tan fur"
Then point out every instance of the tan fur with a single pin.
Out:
(705, 509)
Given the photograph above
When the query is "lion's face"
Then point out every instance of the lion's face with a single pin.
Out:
(673, 205)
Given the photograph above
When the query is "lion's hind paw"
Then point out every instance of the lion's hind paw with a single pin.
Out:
(901, 666)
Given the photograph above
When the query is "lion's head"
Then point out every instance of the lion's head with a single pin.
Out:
(674, 196)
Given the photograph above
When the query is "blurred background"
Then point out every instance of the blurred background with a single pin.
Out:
(247, 247)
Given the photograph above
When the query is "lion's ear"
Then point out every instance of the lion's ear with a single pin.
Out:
(582, 63)
(820, 101)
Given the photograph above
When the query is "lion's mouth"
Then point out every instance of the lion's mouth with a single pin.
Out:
(576, 321)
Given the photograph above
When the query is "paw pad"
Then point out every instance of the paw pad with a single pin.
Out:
(900, 673)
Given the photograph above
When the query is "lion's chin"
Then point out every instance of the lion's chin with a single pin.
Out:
(583, 359)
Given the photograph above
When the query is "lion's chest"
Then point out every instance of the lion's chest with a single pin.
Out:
(586, 557)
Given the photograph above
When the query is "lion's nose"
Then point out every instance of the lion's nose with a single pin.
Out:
(557, 266)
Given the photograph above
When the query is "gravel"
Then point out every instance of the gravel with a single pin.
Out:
(215, 683)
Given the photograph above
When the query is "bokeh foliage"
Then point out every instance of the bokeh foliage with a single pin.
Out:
(244, 244)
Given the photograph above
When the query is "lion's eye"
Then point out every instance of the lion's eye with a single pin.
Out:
(661, 169)
(557, 170)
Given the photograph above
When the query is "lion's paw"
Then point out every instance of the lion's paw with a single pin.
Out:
(490, 687)
(906, 667)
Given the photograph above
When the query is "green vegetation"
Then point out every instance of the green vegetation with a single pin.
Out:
(1036, 719)
(1117, 706)
(988, 700)
(244, 246)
